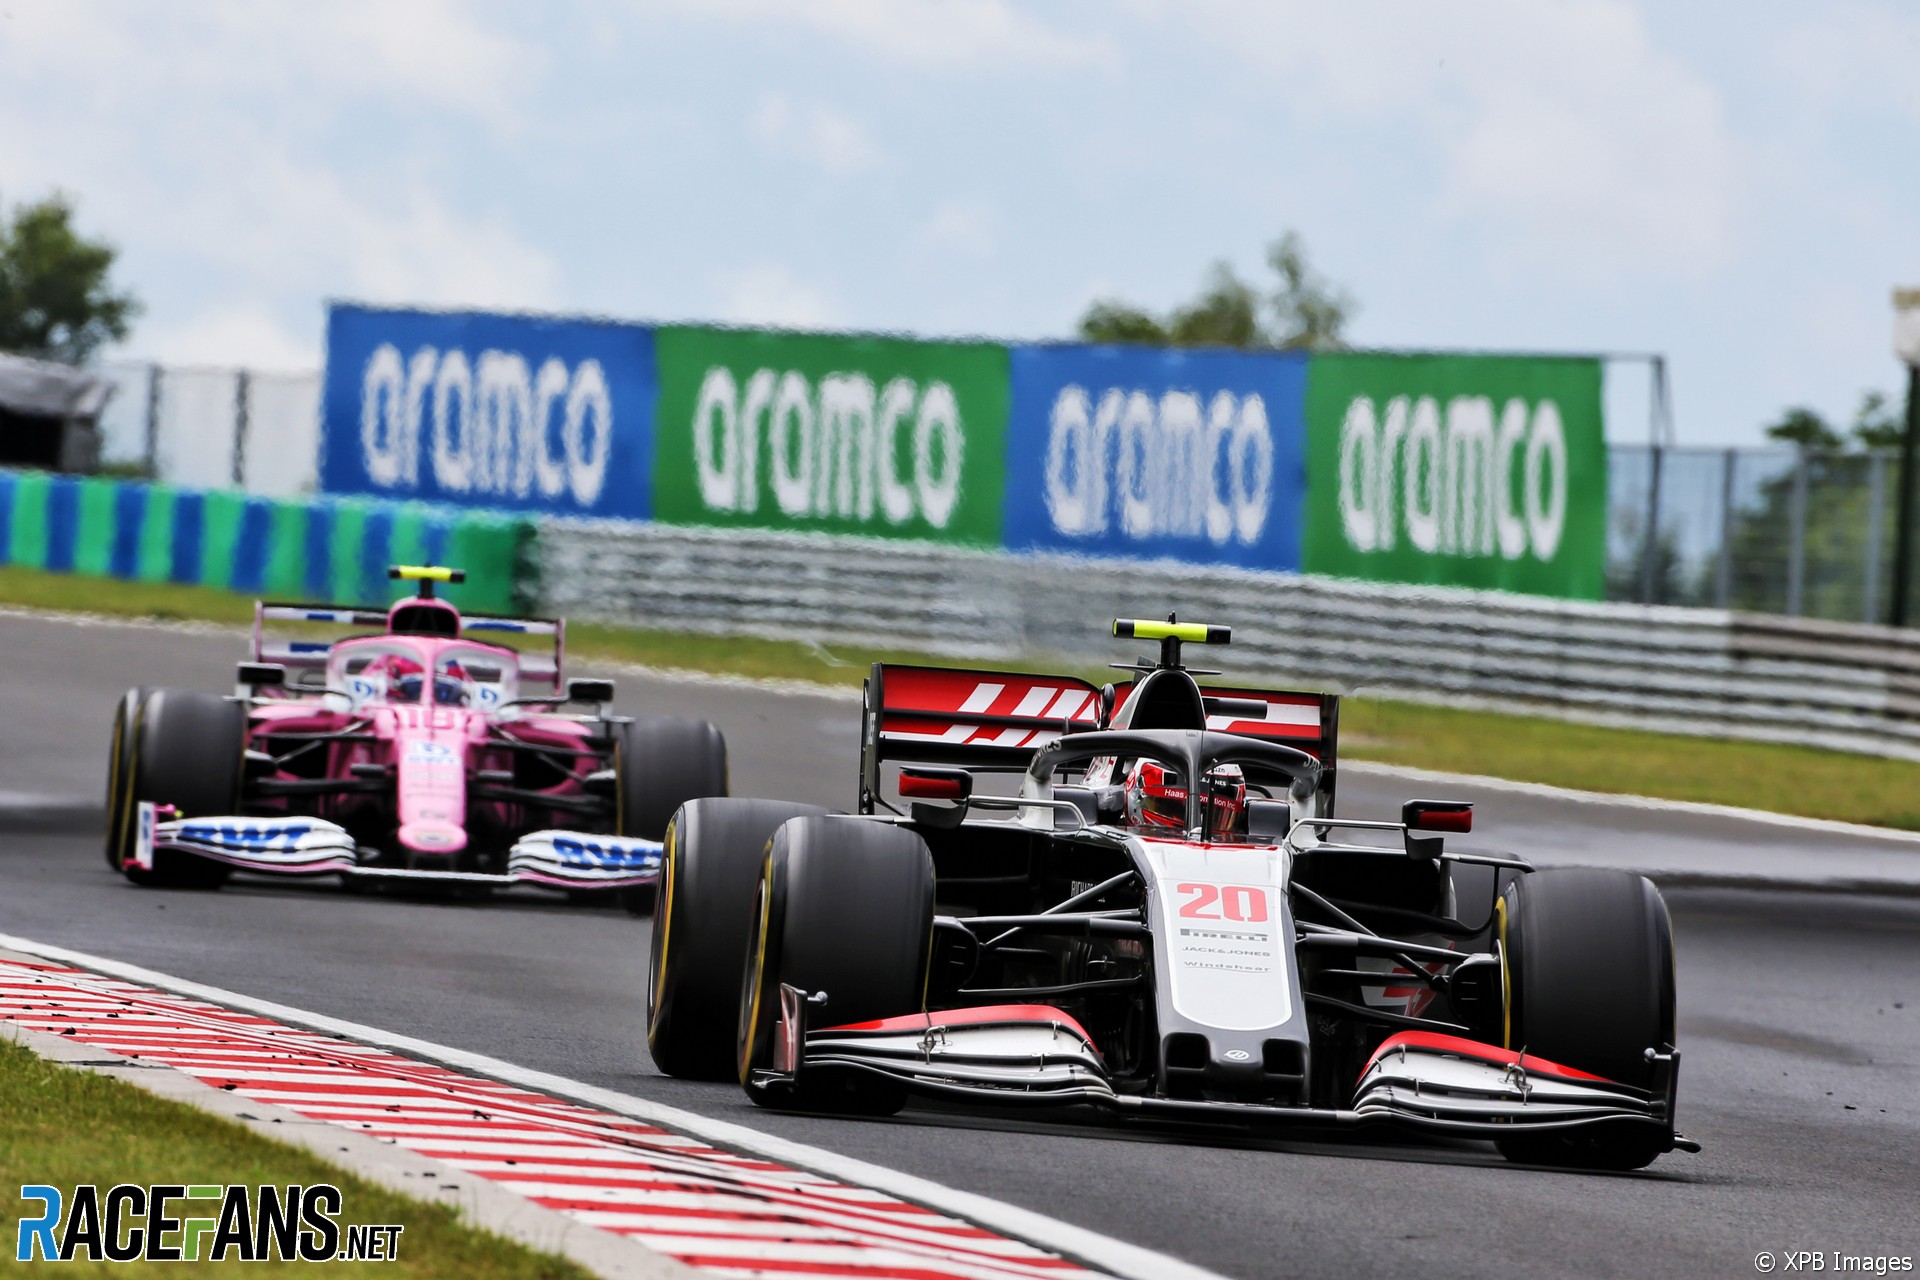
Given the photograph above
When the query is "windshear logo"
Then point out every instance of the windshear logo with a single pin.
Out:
(207, 1223)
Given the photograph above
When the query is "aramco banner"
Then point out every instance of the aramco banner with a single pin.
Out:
(521, 412)
(1467, 471)
(859, 435)
(1137, 451)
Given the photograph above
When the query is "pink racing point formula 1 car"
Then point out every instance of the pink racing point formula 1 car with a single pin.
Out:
(1162, 919)
(417, 752)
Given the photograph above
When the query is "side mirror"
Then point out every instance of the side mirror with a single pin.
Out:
(1451, 816)
(257, 674)
(921, 782)
(1269, 819)
(926, 782)
(594, 691)
(1107, 696)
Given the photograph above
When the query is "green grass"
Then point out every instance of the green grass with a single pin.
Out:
(1785, 779)
(62, 1127)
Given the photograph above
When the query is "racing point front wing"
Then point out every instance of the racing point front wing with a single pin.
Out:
(1015, 1055)
(315, 847)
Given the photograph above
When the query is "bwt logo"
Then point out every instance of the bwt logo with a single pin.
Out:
(831, 453)
(1159, 467)
(497, 429)
(1449, 484)
(180, 1223)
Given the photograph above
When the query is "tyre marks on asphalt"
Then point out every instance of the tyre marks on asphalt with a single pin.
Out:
(730, 1213)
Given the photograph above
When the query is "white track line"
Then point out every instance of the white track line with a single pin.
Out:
(1089, 1246)
(1622, 800)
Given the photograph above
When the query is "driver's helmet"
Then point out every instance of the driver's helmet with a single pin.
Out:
(450, 685)
(1227, 798)
(1156, 796)
(408, 678)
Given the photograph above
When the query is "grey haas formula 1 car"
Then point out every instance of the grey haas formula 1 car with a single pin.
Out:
(1167, 922)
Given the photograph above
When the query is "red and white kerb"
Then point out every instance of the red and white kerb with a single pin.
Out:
(732, 1214)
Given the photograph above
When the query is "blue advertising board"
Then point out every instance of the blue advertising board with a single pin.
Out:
(1141, 452)
(522, 412)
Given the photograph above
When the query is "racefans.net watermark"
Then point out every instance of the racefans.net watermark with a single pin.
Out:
(1831, 1262)
(197, 1223)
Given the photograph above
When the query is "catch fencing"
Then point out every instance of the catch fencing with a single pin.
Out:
(1683, 670)
(213, 428)
(1807, 534)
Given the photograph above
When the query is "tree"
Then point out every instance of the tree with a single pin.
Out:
(1305, 311)
(1876, 425)
(1311, 312)
(1803, 428)
(55, 299)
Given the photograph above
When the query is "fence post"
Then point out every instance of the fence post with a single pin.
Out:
(1723, 585)
(1903, 498)
(1650, 546)
(1876, 524)
(1797, 538)
(242, 383)
(153, 422)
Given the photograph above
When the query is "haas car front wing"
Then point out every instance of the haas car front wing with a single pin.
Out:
(1028, 1055)
(314, 846)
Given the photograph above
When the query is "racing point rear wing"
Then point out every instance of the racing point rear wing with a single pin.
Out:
(309, 653)
(994, 721)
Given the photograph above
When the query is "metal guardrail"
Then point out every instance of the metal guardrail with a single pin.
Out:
(1697, 671)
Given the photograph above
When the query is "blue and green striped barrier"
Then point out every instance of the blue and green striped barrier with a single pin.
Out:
(321, 548)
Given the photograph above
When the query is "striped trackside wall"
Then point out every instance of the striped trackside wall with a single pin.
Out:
(321, 548)
(732, 1214)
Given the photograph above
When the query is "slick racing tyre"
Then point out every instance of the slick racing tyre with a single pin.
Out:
(1589, 956)
(662, 762)
(844, 908)
(119, 769)
(707, 877)
(187, 752)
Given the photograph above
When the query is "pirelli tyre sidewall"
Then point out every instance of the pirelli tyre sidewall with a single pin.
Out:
(126, 715)
(844, 908)
(188, 752)
(1589, 959)
(709, 871)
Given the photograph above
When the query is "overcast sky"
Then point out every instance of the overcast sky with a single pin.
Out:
(1734, 184)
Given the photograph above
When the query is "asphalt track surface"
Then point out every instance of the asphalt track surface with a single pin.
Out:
(1800, 1019)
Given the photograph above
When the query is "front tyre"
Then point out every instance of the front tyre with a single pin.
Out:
(708, 871)
(1589, 956)
(661, 763)
(120, 805)
(188, 752)
(844, 907)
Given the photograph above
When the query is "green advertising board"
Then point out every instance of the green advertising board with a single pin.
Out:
(1463, 471)
(852, 435)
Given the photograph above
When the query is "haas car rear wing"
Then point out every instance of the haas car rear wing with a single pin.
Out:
(996, 720)
(309, 652)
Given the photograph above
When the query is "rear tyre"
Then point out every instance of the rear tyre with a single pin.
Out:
(187, 752)
(843, 907)
(1589, 958)
(714, 848)
(661, 763)
(119, 769)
